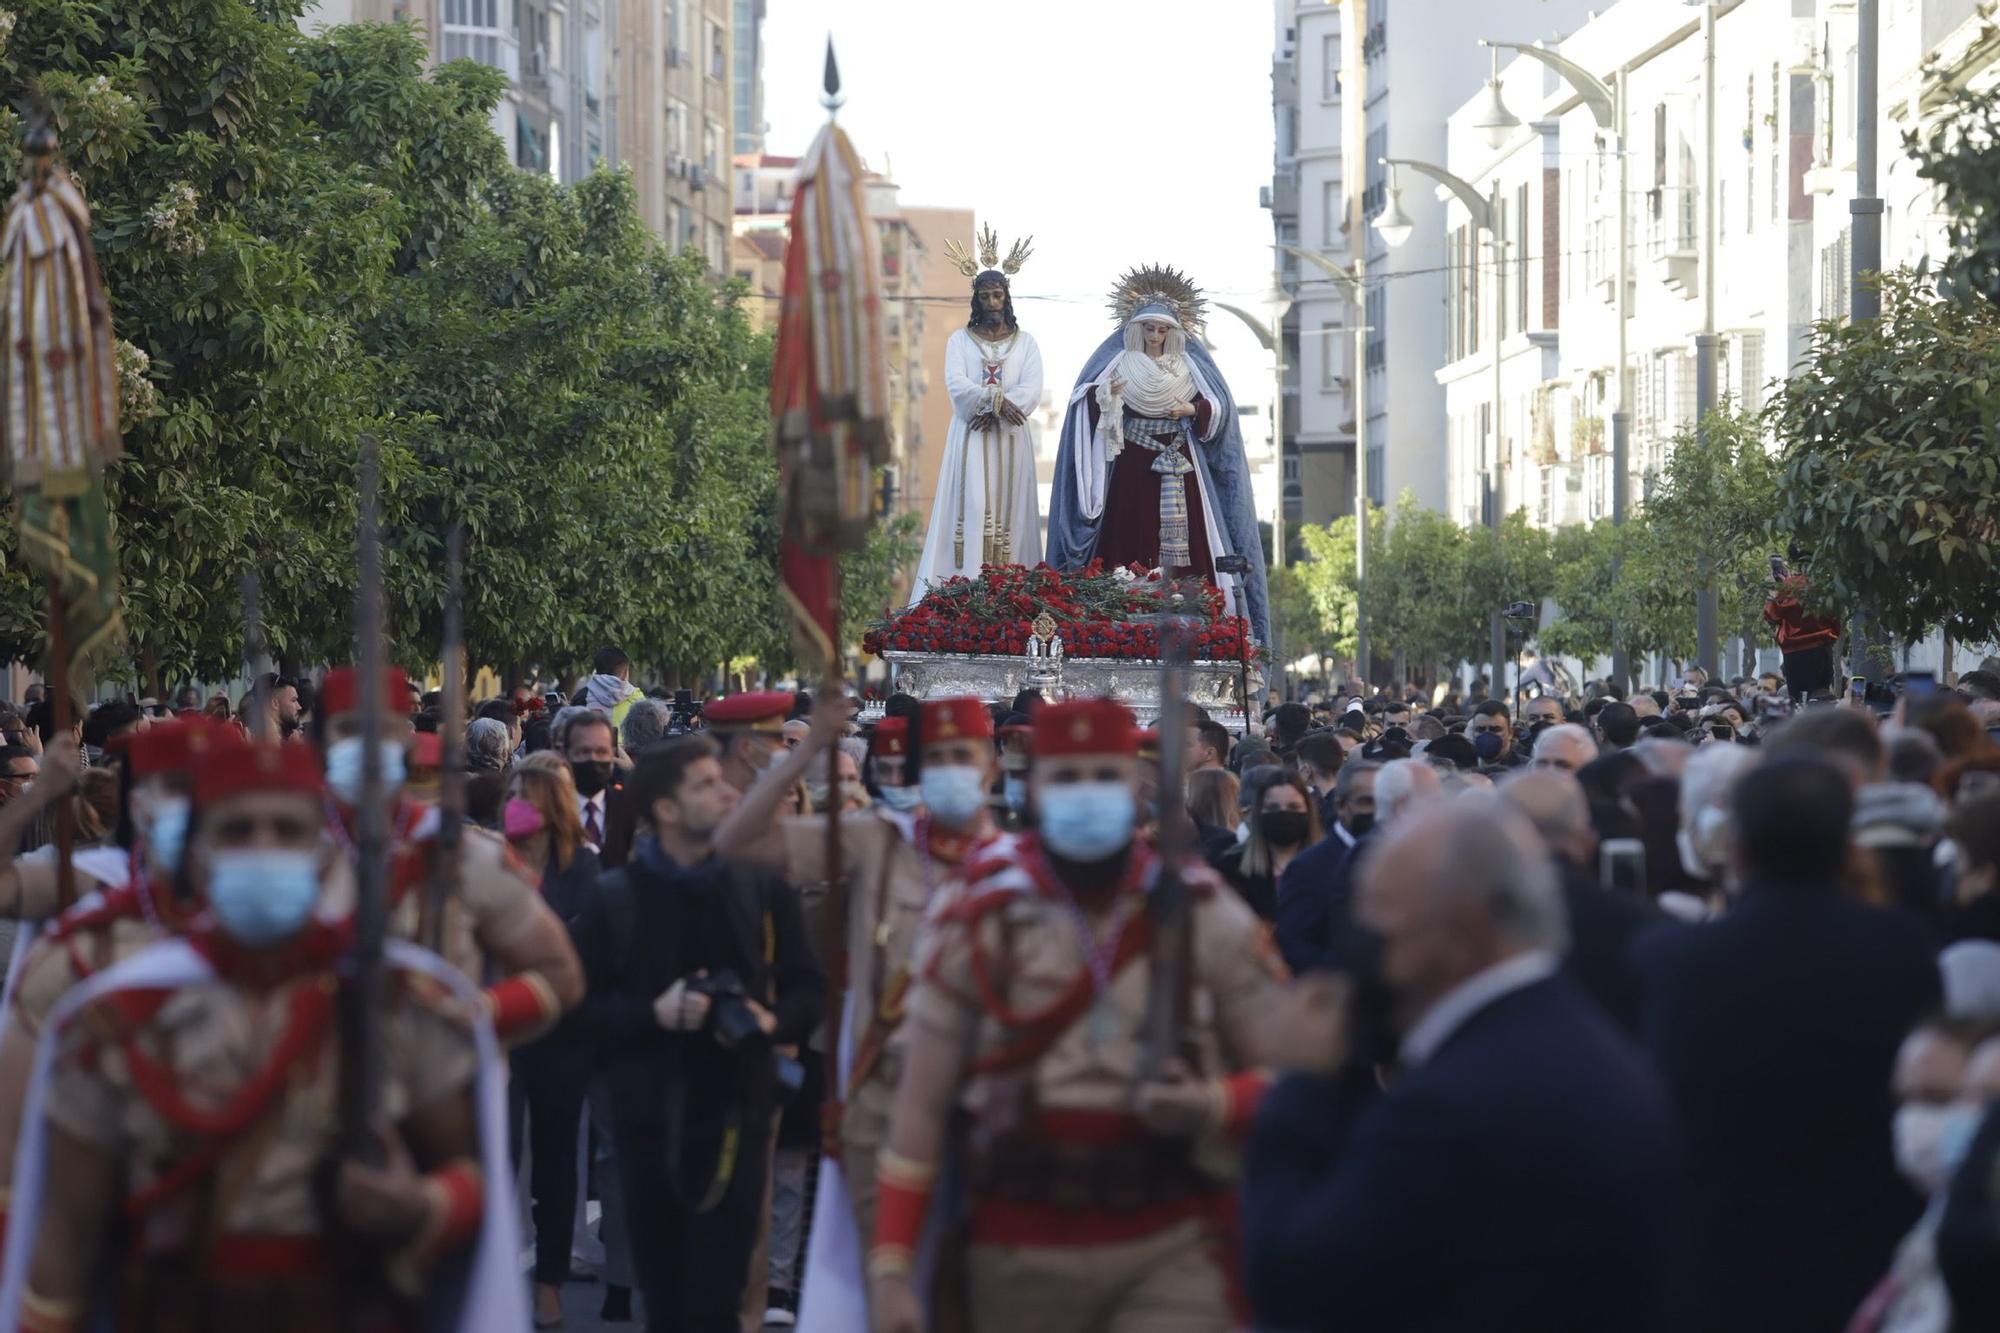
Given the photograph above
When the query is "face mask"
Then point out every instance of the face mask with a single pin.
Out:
(262, 896)
(1087, 821)
(1360, 824)
(590, 775)
(521, 820)
(902, 799)
(1487, 746)
(1283, 828)
(1014, 791)
(166, 829)
(343, 767)
(954, 792)
(773, 759)
(1930, 1141)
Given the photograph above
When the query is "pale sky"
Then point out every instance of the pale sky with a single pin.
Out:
(1117, 132)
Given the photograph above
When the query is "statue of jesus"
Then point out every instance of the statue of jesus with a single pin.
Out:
(986, 510)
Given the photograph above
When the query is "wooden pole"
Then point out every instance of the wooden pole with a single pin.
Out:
(58, 685)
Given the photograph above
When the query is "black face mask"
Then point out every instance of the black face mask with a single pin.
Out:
(1283, 828)
(1359, 824)
(592, 775)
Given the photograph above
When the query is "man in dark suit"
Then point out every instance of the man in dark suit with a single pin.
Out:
(1519, 1174)
(1602, 924)
(1776, 1029)
(1314, 883)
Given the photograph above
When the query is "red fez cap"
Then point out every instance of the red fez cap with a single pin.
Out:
(232, 767)
(758, 710)
(891, 739)
(1084, 726)
(340, 692)
(1149, 743)
(427, 749)
(954, 720)
(167, 747)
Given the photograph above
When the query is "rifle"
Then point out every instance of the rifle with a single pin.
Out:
(1167, 988)
(361, 969)
(444, 867)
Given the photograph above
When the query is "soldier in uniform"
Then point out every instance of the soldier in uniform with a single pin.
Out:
(750, 728)
(495, 914)
(893, 863)
(201, 1113)
(1097, 1201)
(113, 922)
(30, 887)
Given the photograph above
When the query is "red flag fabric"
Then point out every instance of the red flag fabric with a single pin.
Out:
(829, 388)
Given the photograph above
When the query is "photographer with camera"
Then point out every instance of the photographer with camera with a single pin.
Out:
(696, 971)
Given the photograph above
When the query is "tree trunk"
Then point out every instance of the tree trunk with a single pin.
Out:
(1946, 676)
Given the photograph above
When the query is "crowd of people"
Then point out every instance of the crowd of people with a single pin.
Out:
(1673, 1009)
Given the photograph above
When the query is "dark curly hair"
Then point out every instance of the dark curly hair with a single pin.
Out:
(993, 277)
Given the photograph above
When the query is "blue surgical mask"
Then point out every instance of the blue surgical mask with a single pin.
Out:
(343, 767)
(1014, 790)
(1087, 821)
(165, 831)
(902, 799)
(955, 793)
(1487, 745)
(262, 896)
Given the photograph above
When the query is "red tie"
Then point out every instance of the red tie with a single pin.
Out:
(593, 832)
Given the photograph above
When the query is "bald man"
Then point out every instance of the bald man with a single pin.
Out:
(1519, 1172)
(1601, 924)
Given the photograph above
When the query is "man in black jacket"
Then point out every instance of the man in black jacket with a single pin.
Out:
(1776, 1029)
(695, 972)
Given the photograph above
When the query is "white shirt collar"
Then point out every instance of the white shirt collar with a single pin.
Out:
(1340, 832)
(1456, 1006)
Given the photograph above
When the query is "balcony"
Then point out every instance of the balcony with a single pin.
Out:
(1281, 196)
(1673, 239)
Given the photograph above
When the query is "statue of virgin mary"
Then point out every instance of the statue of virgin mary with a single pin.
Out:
(1150, 468)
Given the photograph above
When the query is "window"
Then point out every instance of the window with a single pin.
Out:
(1377, 312)
(1750, 151)
(1374, 191)
(1497, 244)
(472, 31)
(718, 247)
(1471, 292)
(677, 128)
(1329, 362)
(718, 51)
(1521, 258)
(677, 30)
(1329, 87)
(535, 40)
(1331, 214)
(711, 150)
(676, 227)
(1454, 298)
(1833, 277)
(1776, 171)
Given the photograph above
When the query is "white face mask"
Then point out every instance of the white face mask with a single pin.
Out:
(902, 799)
(954, 793)
(1931, 1140)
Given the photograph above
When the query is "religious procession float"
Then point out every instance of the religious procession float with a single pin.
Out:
(1151, 528)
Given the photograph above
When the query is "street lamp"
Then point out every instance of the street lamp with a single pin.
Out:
(1496, 122)
(1484, 212)
(1272, 340)
(1606, 102)
(1392, 224)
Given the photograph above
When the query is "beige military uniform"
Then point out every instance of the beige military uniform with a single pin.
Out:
(495, 903)
(213, 1039)
(33, 892)
(891, 887)
(1010, 953)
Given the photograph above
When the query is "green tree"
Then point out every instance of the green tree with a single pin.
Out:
(1890, 470)
(1649, 601)
(1718, 497)
(1326, 577)
(1500, 568)
(1960, 153)
(1418, 602)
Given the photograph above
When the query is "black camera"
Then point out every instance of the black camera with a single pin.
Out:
(684, 714)
(730, 1017)
(1521, 611)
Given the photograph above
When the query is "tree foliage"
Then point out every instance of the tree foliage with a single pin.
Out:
(1890, 470)
(1960, 153)
(306, 238)
(1718, 496)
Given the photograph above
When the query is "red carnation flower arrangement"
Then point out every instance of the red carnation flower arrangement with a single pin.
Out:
(1098, 613)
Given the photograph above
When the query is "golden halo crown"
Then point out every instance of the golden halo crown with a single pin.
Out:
(989, 254)
(1166, 285)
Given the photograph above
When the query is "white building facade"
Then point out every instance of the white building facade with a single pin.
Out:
(1783, 135)
(1415, 71)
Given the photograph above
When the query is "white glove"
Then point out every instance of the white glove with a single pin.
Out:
(679, 1009)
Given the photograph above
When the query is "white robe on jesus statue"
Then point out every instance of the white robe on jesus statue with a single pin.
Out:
(986, 511)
